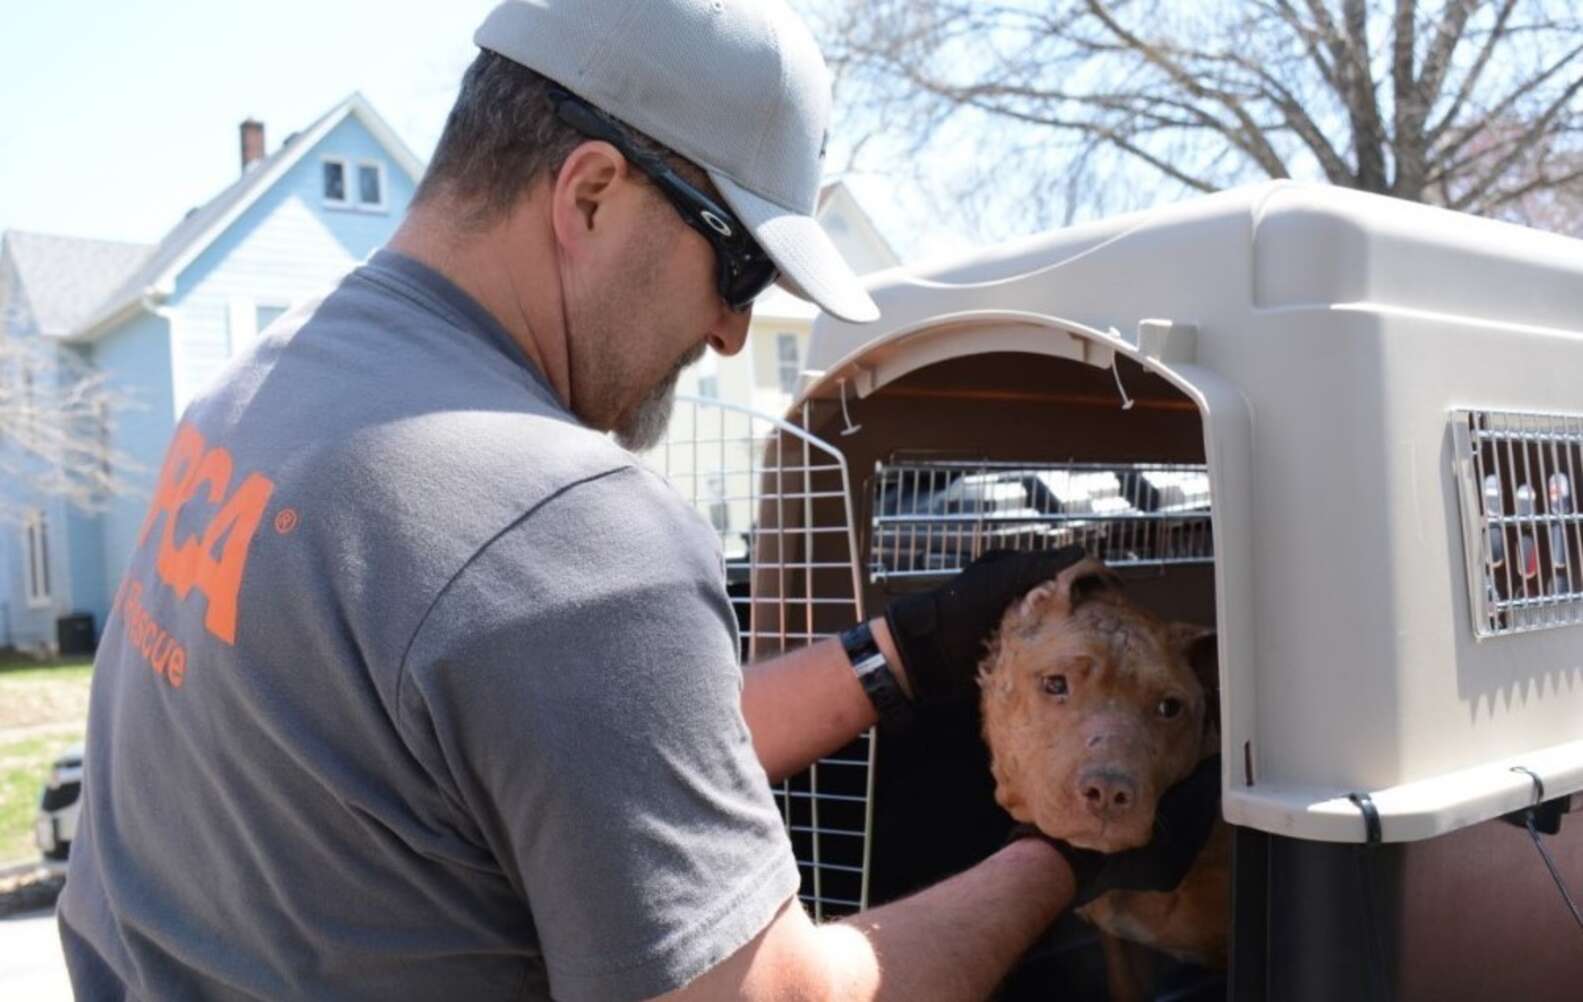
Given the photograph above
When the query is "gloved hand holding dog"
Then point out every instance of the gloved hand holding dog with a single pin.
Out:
(940, 634)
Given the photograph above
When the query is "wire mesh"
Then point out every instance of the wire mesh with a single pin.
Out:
(1523, 533)
(932, 518)
(780, 501)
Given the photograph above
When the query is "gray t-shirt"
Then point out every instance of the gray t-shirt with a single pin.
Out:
(416, 688)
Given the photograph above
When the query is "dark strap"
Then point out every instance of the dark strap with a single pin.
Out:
(1539, 784)
(1372, 837)
(1371, 817)
(874, 674)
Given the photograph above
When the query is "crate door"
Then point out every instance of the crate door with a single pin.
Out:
(780, 501)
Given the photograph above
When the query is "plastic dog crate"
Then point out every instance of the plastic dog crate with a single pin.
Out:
(1345, 430)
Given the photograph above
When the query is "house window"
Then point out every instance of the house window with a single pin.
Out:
(370, 185)
(35, 554)
(246, 319)
(359, 185)
(335, 181)
(709, 387)
(268, 315)
(787, 366)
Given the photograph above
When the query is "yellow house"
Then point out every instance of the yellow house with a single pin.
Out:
(765, 374)
(709, 452)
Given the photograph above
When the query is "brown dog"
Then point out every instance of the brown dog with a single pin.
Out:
(1092, 708)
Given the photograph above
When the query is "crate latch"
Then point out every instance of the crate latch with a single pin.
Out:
(1167, 341)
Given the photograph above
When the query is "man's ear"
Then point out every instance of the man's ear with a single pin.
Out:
(584, 187)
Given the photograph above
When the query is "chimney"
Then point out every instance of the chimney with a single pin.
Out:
(252, 143)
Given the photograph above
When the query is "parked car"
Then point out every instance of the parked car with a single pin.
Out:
(58, 807)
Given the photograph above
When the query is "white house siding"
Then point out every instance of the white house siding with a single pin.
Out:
(286, 248)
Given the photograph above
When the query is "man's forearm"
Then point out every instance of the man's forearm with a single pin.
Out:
(959, 938)
(951, 943)
(808, 703)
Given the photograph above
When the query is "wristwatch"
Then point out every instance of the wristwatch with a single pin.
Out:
(874, 674)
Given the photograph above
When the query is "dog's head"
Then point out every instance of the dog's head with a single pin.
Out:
(1092, 708)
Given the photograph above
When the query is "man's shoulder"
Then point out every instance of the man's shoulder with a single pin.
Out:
(616, 537)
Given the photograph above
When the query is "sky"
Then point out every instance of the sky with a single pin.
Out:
(118, 116)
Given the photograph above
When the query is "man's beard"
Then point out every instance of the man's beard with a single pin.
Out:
(642, 428)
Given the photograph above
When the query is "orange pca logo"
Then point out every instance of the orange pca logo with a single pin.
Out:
(192, 563)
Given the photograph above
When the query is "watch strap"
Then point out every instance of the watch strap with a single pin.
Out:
(874, 673)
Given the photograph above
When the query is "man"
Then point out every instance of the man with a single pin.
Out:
(420, 687)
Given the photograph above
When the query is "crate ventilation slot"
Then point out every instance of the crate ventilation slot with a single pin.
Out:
(933, 518)
(1517, 479)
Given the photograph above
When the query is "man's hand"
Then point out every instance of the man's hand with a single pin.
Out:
(1182, 822)
(940, 634)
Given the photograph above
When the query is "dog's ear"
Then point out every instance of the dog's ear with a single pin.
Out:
(1198, 646)
(1083, 581)
(1073, 586)
(1033, 603)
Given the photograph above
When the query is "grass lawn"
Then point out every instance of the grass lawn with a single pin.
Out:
(43, 710)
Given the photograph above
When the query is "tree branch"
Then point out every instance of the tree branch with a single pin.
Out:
(1523, 144)
(1249, 136)
(1504, 106)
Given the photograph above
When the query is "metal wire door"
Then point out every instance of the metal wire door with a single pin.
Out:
(1522, 531)
(780, 500)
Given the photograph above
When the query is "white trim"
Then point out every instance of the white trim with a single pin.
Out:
(35, 560)
(108, 321)
(241, 324)
(345, 201)
(393, 144)
(178, 360)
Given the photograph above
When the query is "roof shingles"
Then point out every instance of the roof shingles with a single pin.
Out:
(64, 279)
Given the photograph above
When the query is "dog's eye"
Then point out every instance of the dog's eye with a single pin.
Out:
(1169, 707)
(1055, 685)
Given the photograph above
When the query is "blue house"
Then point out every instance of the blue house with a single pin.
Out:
(161, 321)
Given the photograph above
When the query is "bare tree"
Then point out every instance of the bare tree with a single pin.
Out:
(56, 424)
(1079, 104)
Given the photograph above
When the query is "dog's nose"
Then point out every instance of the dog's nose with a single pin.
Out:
(1107, 793)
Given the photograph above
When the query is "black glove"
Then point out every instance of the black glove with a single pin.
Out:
(940, 634)
(1182, 822)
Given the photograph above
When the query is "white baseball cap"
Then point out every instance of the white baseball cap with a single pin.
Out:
(738, 87)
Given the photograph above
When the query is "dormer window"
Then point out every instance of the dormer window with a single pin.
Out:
(371, 185)
(334, 181)
(354, 185)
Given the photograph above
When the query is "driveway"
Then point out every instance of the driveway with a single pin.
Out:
(31, 966)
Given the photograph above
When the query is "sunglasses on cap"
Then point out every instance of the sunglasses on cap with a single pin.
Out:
(743, 270)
